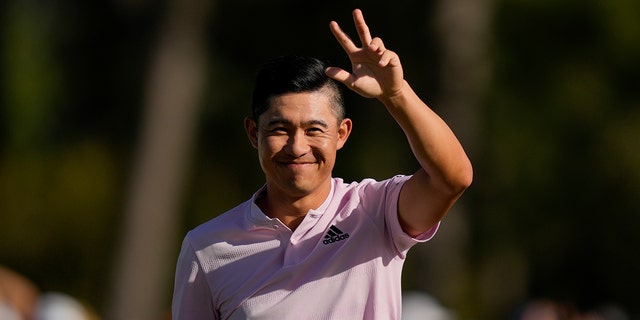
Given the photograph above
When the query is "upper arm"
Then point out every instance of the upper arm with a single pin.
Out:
(423, 202)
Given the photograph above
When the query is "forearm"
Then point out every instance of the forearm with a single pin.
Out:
(433, 143)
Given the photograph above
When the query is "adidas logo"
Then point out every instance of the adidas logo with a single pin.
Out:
(334, 235)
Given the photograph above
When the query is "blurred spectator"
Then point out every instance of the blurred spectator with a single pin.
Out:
(18, 296)
(545, 309)
(20, 299)
(421, 306)
(58, 306)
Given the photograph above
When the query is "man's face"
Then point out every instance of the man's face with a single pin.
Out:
(297, 139)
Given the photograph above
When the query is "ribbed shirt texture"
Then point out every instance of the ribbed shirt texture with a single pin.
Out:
(344, 260)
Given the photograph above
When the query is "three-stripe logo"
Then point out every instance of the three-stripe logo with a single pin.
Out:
(334, 235)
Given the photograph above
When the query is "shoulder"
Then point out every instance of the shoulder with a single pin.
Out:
(369, 185)
(368, 194)
(230, 220)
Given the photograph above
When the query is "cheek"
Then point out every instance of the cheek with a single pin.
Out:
(326, 147)
(271, 145)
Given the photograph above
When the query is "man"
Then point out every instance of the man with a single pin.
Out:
(307, 245)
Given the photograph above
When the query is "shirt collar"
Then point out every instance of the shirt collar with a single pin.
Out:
(259, 218)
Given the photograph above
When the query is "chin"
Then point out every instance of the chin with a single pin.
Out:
(299, 189)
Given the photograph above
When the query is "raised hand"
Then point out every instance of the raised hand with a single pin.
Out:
(376, 71)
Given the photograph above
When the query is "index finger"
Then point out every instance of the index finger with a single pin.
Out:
(361, 26)
(344, 40)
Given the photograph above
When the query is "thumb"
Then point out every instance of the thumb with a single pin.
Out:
(339, 74)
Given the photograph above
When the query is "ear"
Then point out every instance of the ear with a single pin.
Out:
(251, 127)
(343, 132)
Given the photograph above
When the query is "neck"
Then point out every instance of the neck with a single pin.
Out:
(290, 210)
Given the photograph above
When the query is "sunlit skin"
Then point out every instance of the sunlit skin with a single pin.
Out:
(297, 140)
(297, 154)
(445, 169)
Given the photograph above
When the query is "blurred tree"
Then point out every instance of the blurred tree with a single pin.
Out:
(175, 83)
(463, 34)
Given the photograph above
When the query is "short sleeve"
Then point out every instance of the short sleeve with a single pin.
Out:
(402, 240)
(191, 293)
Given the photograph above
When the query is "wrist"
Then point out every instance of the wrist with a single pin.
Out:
(397, 97)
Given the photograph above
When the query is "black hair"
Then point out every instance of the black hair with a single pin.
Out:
(293, 74)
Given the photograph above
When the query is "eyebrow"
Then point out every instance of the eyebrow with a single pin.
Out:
(277, 121)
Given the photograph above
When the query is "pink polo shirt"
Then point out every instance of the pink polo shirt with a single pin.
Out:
(344, 261)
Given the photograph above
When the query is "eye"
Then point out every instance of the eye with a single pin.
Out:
(278, 130)
(314, 131)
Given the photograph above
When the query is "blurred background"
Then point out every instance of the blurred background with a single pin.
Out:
(121, 129)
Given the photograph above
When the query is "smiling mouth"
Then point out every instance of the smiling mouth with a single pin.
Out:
(295, 165)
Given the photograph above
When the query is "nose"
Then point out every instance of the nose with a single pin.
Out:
(297, 144)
